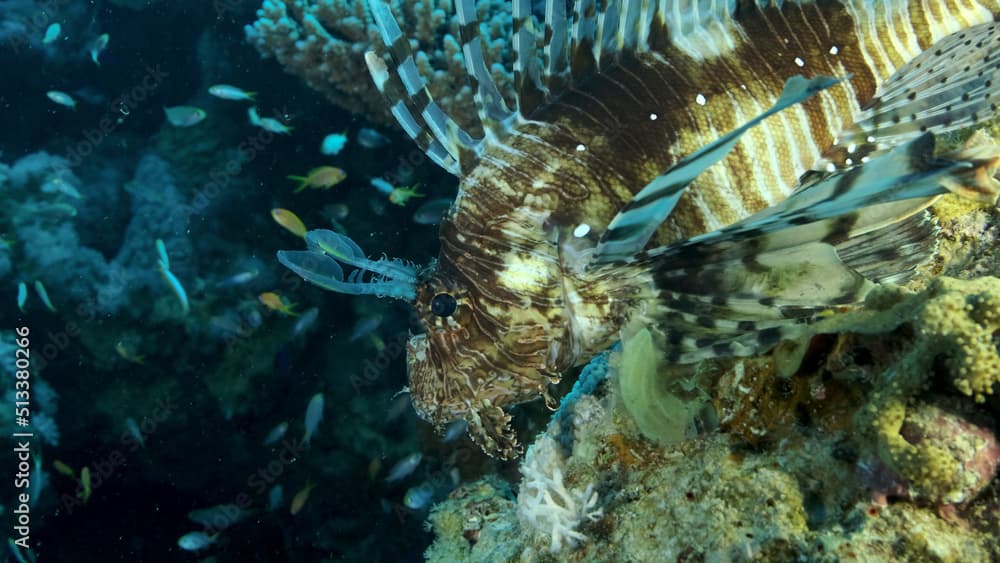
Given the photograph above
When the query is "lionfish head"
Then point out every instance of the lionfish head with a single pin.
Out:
(472, 358)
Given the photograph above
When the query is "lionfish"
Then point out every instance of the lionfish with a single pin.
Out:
(723, 172)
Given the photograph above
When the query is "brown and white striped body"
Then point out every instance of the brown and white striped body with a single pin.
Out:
(533, 207)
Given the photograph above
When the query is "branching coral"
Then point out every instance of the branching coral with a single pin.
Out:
(546, 505)
(324, 41)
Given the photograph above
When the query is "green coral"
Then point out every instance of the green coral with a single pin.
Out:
(953, 322)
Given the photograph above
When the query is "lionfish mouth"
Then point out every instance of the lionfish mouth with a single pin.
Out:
(327, 250)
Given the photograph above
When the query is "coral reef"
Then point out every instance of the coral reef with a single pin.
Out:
(875, 439)
(324, 41)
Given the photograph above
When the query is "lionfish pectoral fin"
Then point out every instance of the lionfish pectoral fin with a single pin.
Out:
(631, 229)
(951, 85)
(740, 290)
(489, 427)
(321, 265)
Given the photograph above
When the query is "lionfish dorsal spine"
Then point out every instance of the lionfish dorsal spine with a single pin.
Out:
(556, 46)
(390, 88)
(494, 114)
(583, 38)
(527, 82)
(413, 105)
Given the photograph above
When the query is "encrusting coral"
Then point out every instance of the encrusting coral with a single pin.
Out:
(953, 322)
(324, 42)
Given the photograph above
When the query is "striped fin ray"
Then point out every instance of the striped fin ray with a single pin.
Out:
(951, 85)
(494, 114)
(417, 101)
(556, 48)
(392, 90)
(739, 290)
(530, 92)
(583, 38)
(630, 230)
(850, 203)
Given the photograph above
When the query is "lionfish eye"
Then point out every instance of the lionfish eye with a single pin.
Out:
(443, 305)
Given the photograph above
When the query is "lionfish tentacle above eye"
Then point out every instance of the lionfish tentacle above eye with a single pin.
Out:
(319, 265)
(633, 226)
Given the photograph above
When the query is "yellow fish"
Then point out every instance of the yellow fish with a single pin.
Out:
(289, 221)
(301, 497)
(275, 302)
(128, 354)
(63, 468)
(85, 483)
(401, 195)
(321, 178)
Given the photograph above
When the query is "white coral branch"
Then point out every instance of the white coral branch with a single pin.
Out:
(545, 504)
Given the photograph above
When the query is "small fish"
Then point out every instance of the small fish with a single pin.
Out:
(161, 254)
(128, 354)
(305, 322)
(321, 178)
(274, 126)
(196, 541)
(184, 116)
(384, 188)
(63, 468)
(275, 497)
(239, 279)
(314, 414)
(289, 221)
(22, 295)
(276, 433)
(254, 116)
(218, 517)
(98, 47)
(48, 209)
(275, 302)
(333, 144)
(404, 467)
(86, 491)
(455, 430)
(44, 296)
(419, 497)
(432, 212)
(60, 186)
(61, 98)
(227, 92)
(300, 498)
(337, 211)
(374, 466)
(365, 326)
(371, 139)
(177, 288)
(401, 195)
(133, 429)
(52, 33)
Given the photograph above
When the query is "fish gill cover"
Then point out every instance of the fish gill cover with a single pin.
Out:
(784, 211)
